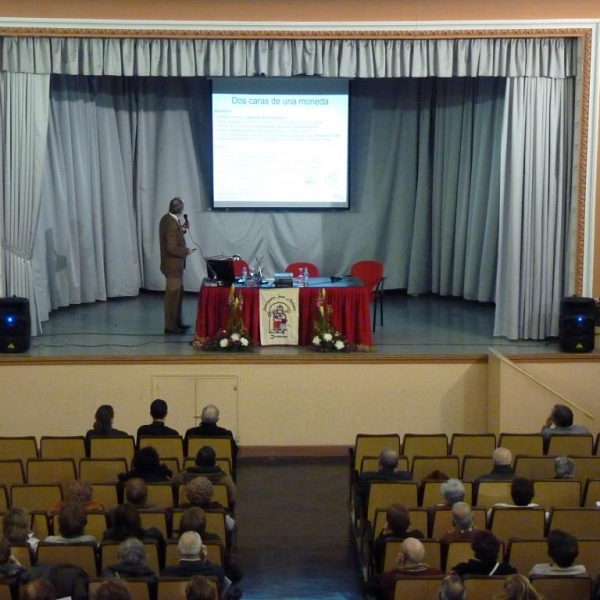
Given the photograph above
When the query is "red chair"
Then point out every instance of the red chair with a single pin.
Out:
(294, 268)
(371, 273)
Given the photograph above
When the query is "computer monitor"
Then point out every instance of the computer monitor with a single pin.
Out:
(220, 269)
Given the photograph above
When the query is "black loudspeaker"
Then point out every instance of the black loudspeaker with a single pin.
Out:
(577, 324)
(15, 325)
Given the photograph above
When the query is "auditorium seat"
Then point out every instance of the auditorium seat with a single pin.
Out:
(102, 470)
(483, 588)
(479, 444)
(215, 552)
(215, 523)
(371, 463)
(417, 588)
(417, 444)
(224, 463)
(222, 445)
(586, 467)
(297, 267)
(51, 470)
(592, 493)
(492, 492)
(589, 555)
(475, 466)
(112, 447)
(422, 466)
(534, 466)
(62, 447)
(561, 588)
(571, 445)
(23, 553)
(523, 553)
(161, 494)
(106, 494)
(384, 493)
(580, 522)
(96, 523)
(21, 447)
(138, 587)
(35, 496)
(12, 471)
(430, 494)
(371, 274)
(522, 443)
(109, 550)
(557, 492)
(166, 446)
(442, 521)
(506, 523)
(157, 518)
(173, 588)
(419, 519)
(81, 554)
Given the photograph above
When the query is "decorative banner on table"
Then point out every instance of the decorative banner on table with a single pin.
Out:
(279, 316)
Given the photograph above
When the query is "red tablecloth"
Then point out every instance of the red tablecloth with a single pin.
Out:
(349, 300)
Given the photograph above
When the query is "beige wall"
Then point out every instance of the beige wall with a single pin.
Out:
(305, 10)
(302, 403)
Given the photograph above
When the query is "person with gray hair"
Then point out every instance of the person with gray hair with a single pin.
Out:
(564, 467)
(502, 469)
(464, 528)
(193, 561)
(173, 252)
(209, 428)
(452, 588)
(132, 561)
(387, 463)
(452, 491)
(409, 561)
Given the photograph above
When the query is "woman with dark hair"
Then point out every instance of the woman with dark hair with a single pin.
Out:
(102, 427)
(486, 548)
(126, 523)
(146, 465)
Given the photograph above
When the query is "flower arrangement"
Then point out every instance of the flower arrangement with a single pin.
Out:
(326, 338)
(235, 337)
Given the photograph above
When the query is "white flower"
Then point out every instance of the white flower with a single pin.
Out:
(235, 337)
(244, 341)
(327, 337)
(339, 345)
(316, 341)
(224, 343)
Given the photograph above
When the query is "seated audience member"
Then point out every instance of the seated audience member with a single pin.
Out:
(16, 527)
(522, 493)
(72, 520)
(158, 412)
(40, 589)
(464, 528)
(409, 562)
(194, 519)
(208, 427)
(486, 548)
(199, 492)
(126, 523)
(397, 522)
(132, 561)
(147, 466)
(518, 587)
(388, 461)
(78, 491)
(206, 465)
(193, 560)
(136, 493)
(563, 549)
(452, 588)
(103, 425)
(113, 589)
(564, 467)
(200, 588)
(502, 469)
(452, 491)
(10, 567)
(560, 422)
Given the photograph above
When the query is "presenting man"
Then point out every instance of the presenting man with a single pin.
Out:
(173, 252)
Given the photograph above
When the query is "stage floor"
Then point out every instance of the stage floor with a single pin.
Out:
(424, 325)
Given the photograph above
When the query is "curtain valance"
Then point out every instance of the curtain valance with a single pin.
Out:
(499, 57)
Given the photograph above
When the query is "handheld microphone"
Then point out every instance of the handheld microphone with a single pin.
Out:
(185, 220)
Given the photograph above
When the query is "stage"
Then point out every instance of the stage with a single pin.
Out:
(423, 325)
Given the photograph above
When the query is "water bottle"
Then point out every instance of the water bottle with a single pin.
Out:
(305, 276)
(244, 275)
(300, 278)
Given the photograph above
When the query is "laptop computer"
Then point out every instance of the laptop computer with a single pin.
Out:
(220, 269)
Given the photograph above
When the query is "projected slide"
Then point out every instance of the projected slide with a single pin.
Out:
(280, 143)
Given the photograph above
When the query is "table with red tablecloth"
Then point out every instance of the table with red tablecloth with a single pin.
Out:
(349, 299)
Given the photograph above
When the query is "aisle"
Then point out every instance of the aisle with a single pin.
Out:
(295, 538)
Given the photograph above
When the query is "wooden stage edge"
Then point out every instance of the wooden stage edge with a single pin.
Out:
(367, 358)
